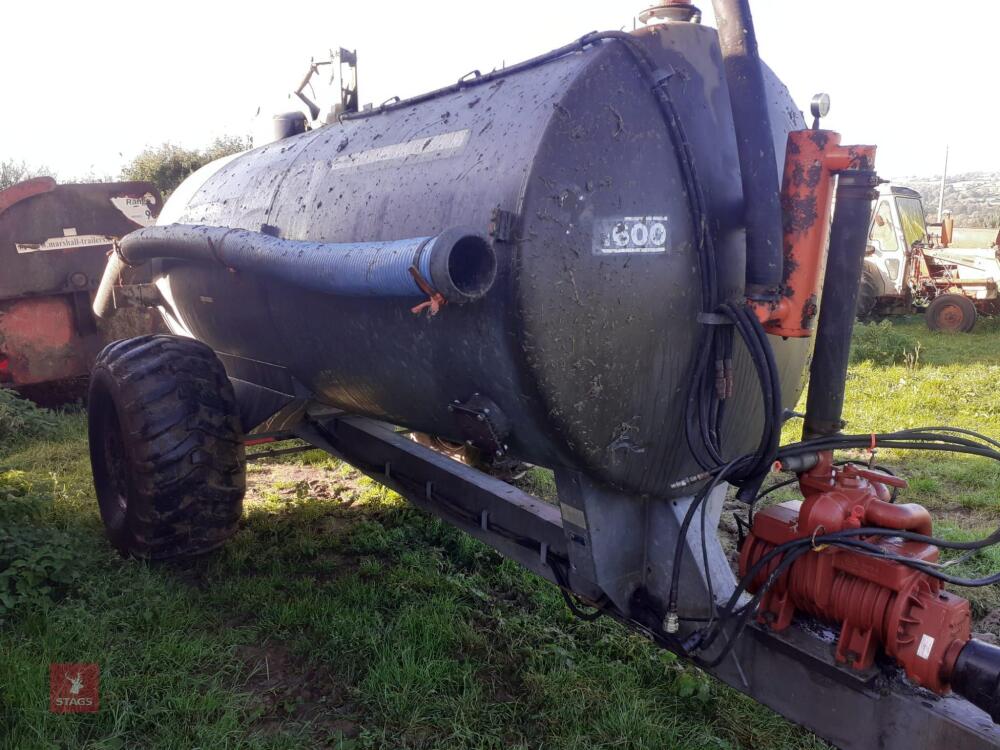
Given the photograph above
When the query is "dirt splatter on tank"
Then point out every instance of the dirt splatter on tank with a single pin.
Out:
(580, 353)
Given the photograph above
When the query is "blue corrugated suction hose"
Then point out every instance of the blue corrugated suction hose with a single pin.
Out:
(459, 263)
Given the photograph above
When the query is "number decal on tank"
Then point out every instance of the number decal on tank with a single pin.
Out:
(630, 234)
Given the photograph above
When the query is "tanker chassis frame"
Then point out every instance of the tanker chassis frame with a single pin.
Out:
(791, 672)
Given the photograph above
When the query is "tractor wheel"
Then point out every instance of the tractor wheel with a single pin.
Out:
(869, 292)
(953, 313)
(166, 447)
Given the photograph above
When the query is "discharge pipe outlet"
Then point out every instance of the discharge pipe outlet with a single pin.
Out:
(459, 264)
(758, 164)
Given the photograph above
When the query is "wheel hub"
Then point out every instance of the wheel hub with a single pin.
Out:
(951, 317)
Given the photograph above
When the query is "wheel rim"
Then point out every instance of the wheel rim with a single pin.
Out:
(950, 317)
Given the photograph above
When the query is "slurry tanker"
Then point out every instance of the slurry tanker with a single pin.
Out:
(616, 260)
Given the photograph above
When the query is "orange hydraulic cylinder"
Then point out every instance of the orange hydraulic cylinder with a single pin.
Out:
(812, 160)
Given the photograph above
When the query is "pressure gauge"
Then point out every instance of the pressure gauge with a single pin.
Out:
(820, 107)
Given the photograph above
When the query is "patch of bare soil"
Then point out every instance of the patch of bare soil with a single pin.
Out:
(729, 532)
(286, 689)
(294, 480)
(987, 628)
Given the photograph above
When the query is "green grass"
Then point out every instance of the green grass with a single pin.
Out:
(346, 621)
(340, 617)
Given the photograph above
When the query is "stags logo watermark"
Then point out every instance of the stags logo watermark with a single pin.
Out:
(73, 688)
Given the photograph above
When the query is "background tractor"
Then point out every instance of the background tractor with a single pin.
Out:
(908, 269)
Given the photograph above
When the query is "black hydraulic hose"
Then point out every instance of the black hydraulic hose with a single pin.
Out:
(703, 427)
(686, 161)
(911, 536)
(906, 440)
(930, 570)
(747, 612)
(895, 445)
(957, 430)
(755, 140)
(698, 500)
(763, 357)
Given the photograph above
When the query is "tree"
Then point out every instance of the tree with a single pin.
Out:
(13, 172)
(167, 165)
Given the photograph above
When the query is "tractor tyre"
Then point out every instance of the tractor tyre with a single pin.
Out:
(869, 292)
(952, 313)
(166, 447)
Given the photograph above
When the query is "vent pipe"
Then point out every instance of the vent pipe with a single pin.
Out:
(758, 165)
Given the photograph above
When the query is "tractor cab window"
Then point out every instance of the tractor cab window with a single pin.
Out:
(883, 229)
(911, 216)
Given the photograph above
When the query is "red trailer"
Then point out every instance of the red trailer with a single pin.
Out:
(54, 242)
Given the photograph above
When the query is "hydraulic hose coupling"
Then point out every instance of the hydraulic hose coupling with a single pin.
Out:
(671, 623)
(876, 601)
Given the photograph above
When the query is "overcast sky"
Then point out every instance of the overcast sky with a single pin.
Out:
(86, 85)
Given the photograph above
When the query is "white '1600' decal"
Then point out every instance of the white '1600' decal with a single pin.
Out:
(630, 234)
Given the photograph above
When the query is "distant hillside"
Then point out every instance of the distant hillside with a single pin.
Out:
(973, 197)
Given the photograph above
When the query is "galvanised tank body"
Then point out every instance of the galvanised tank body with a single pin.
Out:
(585, 341)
